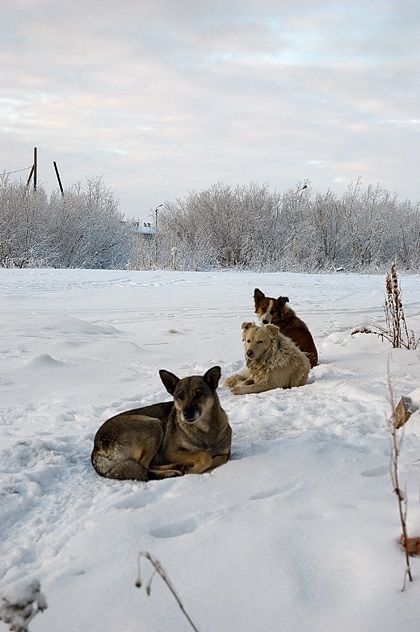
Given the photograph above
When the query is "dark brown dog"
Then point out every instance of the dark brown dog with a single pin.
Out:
(275, 311)
(189, 435)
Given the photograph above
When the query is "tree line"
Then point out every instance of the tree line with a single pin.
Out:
(242, 227)
(253, 228)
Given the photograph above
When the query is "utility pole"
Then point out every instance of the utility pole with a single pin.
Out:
(31, 173)
(35, 167)
(58, 178)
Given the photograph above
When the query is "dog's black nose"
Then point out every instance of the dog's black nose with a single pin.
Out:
(249, 353)
(190, 413)
(265, 322)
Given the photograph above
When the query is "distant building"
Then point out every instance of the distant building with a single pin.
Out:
(143, 228)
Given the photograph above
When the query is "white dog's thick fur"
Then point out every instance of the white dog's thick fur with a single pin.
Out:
(272, 360)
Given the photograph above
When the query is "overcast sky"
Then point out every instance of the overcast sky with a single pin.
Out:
(163, 97)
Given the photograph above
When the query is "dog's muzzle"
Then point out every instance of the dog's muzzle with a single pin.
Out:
(191, 414)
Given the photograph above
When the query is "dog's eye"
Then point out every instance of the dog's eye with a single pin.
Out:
(198, 392)
(181, 395)
(271, 311)
(259, 342)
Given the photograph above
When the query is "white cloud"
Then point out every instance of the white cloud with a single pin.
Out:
(164, 97)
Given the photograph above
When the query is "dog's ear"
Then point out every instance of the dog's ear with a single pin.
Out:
(275, 335)
(212, 377)
(258, 295)
(273, 329)
(247, 325)
(282, 300)
(169, 380)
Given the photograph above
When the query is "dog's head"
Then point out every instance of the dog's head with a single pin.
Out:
(269, 309)
(194, 395)
(258, 340)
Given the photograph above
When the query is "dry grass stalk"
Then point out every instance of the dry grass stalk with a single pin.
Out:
(396, 330)
(161, 572)
(396, 443)
(394, 311)
(411, 545)
(403, 411)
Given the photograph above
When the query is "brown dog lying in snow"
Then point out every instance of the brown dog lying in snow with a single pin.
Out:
(188, 435)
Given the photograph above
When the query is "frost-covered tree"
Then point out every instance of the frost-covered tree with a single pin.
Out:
(406, 234)
(296, 230)
(86, 228)
(250, 227)
(23, 217)
(246, 226)
(328, 230)
(220, 227)
(82, 228)
(367, 221)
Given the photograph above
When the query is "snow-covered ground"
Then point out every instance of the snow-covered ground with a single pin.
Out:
(298, 532)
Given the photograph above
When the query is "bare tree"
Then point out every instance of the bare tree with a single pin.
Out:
(87, 230)
(23, 216)
(326, 213)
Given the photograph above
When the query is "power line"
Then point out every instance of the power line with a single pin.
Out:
(8, 173)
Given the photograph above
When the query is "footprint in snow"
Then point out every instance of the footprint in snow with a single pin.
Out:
(272, 492)
(380, 470)
(175, 529)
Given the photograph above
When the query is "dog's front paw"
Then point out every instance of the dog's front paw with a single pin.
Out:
(237, 390)
(163, 471)
(228, 383)
(181, 469)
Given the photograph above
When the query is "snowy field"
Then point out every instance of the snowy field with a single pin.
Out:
(298, 532)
